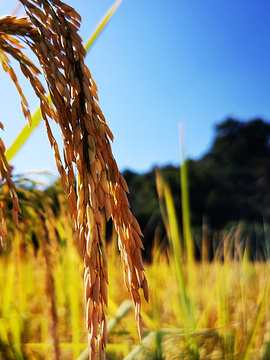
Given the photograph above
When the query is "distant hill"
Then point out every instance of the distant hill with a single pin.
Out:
(230, 183)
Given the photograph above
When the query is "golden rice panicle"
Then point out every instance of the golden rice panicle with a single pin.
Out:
(86, 140)
(10, 28)
(61, 56)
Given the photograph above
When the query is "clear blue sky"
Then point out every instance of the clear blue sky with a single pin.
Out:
(159, 63)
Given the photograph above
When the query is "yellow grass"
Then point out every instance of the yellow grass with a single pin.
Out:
(227, 297)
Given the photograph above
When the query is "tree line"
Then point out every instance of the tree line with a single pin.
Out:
(228, 186)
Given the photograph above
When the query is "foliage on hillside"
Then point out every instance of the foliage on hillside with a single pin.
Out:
(228, 185)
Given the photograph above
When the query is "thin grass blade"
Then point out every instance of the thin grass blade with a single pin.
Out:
(186, 207)
(102, 24)
(174, 237)
(23, 136)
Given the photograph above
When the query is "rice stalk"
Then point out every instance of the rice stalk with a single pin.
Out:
(188, 241)
(104, 21)
(155, 280)
(51, 31)
(170, 221)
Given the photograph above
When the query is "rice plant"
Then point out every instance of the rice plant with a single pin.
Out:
(88, 170)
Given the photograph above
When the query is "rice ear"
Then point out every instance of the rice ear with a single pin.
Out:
(51, 30)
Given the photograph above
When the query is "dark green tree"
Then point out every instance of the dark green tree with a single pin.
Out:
(231, 182)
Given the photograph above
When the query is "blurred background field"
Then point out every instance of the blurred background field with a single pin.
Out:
(210, 309)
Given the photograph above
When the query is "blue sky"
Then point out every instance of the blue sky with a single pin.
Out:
(157, 64)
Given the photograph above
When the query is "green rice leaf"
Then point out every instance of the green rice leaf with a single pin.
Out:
(23, 136)
(102, 24)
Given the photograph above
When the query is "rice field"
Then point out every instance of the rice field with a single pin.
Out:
(196, 310)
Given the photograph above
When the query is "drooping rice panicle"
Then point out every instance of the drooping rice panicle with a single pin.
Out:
(51, 31)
